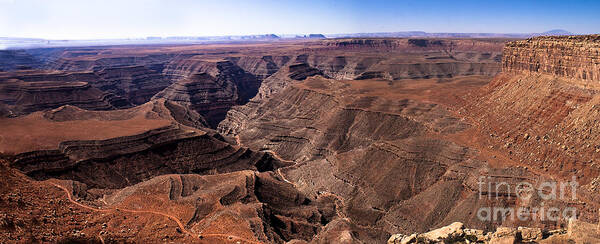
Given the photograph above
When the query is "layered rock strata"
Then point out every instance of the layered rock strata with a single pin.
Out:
(543, 110)
(213, 95)
(575, 57)
(119, 162)
(27, 97)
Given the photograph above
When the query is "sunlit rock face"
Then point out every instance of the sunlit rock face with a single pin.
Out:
(575, 57)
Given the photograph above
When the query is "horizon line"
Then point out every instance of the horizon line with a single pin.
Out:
(282, 34)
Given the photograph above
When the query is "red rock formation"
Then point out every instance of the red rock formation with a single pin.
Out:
(359, 146)
(565, 56)
(542, 110)
(327, 160)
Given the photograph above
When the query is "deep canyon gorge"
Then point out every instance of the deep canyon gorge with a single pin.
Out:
(349, 140)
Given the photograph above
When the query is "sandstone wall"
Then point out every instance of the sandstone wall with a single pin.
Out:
(567, 56)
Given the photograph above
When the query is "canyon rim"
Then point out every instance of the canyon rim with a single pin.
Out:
(368, 137)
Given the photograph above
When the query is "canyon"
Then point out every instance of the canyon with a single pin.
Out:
(352, 140)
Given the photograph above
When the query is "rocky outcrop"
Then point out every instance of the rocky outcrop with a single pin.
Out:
(575, 57)
(575, 232)
(456, 233)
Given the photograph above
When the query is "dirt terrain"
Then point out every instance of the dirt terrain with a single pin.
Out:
(315, 141)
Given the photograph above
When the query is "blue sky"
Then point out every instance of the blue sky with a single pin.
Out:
(89, 19)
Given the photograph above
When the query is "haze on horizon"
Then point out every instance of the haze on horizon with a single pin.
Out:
(77, 19)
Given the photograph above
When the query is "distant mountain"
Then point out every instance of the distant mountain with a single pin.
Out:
(310, 36)
(381, 34)
(409, 34)
(255, 37)
(318, 36)
(556, 32)
(26, 43)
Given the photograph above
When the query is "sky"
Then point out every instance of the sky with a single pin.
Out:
(105, 19)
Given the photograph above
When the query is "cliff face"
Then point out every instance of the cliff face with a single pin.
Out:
(546, 91)
(543, 109)
(565, 56)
